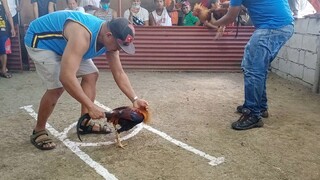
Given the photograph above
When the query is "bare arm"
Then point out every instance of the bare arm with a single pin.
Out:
(9, 17)
(122, 79)
(51, 7)
(146, 23)
(35, 10)
(78, 38)
(151, 19)
(197, 23)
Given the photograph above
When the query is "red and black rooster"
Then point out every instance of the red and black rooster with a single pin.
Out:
(126, 117)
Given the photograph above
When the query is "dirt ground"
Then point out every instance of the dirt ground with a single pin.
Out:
(194, 108)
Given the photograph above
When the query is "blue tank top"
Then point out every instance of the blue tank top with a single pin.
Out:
(46, 32)
(267, 14)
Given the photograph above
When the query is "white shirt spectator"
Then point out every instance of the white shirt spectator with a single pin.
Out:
(95, 3)
(84, 3)
(142, 14)
(12, 7)
(162, 20)
(81, 9)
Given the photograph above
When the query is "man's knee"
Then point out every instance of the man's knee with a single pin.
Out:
(55, 93)
(90, 78)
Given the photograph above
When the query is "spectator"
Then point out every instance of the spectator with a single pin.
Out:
(85, 3)
(160, 16)
(73, 5)
(43, 7)
(105, 12)
(301, 8)
(273, 27)
(90, 5)
(6, 27)
(14, 11)
(178, 7)
(189, 19)
(137, 14)
(173, 12)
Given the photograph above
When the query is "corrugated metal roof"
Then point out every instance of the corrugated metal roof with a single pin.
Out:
(180, 48)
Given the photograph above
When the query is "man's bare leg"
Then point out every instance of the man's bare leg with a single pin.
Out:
(47, 105)
(88, 84)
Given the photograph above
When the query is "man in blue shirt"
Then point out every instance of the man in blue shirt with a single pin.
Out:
(61, 44)
(274, 26)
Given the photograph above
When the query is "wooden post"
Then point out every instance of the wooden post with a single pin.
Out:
(119, 8)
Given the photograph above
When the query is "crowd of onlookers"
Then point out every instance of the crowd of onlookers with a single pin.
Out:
(165, 13)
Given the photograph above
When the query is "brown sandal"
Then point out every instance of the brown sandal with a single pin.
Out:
(40, 139)
(85, 126)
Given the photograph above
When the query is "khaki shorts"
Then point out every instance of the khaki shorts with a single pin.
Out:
(48, 66)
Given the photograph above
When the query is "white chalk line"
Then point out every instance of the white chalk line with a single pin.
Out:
(74, 148)
(138, 128)
(128, 136)
(213, 160)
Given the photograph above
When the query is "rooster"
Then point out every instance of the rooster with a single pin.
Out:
(206, 15)
(126, 117)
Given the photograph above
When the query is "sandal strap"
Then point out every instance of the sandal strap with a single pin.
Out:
(35, 135)
(105, 128)
(87, 123)
(41, 138)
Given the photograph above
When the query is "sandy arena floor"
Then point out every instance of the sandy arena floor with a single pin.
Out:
(191, 117)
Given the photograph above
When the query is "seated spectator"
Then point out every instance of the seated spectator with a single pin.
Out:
(105, 12)
(43, 7)
(178, 7)
(137, 14)
(73, 5)
(189, 19)
(160, 16)
(90, 5)
(173, 12)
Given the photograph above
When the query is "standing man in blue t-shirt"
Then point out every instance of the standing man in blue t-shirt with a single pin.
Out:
(43, 7)
(274, 26)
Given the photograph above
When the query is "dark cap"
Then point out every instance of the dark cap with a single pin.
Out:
(123, 31)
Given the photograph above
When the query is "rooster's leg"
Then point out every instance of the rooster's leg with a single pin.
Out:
(119, 144)
(119, 141)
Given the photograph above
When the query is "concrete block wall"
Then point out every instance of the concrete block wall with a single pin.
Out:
(299, 58)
